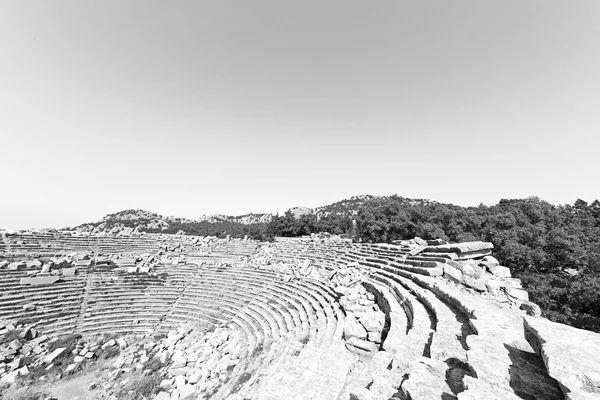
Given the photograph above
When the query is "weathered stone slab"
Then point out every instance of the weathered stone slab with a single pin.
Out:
(427, 380)
(50, 357)
(39, 280)
(17, 265)
(437, 271)
(571, 355)
(360, 344)
(417, 250)
(500, 271)
(352, 328)
(464, 250)
(453, 274)
(83, 263)
(69, 271)
(518, 294)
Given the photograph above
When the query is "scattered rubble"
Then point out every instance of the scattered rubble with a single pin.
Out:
(413, 319)
(364, 322)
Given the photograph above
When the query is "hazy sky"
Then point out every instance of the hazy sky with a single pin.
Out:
(199, 107)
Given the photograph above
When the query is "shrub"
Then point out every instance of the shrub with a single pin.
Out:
(109, 352)
(141, 387)
(10, 336)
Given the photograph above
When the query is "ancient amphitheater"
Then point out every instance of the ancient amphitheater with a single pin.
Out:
(309, 318)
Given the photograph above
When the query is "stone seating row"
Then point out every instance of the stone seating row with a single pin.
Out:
(493, 354)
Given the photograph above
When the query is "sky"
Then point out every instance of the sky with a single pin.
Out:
(199, 107)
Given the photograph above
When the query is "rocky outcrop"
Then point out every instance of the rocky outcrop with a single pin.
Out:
(571, 355)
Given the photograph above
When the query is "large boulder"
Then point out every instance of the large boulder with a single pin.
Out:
(571, 355)
(353, 329)
(500, 271)
(452, 273)
(373, 321)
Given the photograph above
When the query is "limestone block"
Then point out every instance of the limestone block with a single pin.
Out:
(352, 328)
(500, 271)
(494, 286)
(427, 379)
(490, 261)
(464, 250)
(41, 280)
(513, 282)
(341, 290)
(570, 355)
(360, 344)
(71, 367)
(374, 337)
(9, 378)
(50, 357)
(531, 308)
(518, 294)
(436, 242)
(163, 396)
(15, 344)
(26, 349)
(452, 273)
(16, 364)
(373, 321)
(420, 241)
(468, 270)
(477, 284)
(195, 376)
(187, 391)
(180, 382)
(179, 359)
(366, 302)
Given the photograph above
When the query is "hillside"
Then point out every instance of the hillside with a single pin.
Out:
(246, 219)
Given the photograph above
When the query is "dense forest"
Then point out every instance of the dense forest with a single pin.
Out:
(554, 250)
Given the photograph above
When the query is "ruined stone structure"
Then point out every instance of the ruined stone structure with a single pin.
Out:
(306, 318)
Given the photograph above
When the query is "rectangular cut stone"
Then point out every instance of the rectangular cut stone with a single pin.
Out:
(83, 263)
(464, 250)
(451, 273)
(438, 271)
(52, 356)
(500, 271)
(42, 280)
(363, 345)
(518, 294)
(416, 250)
